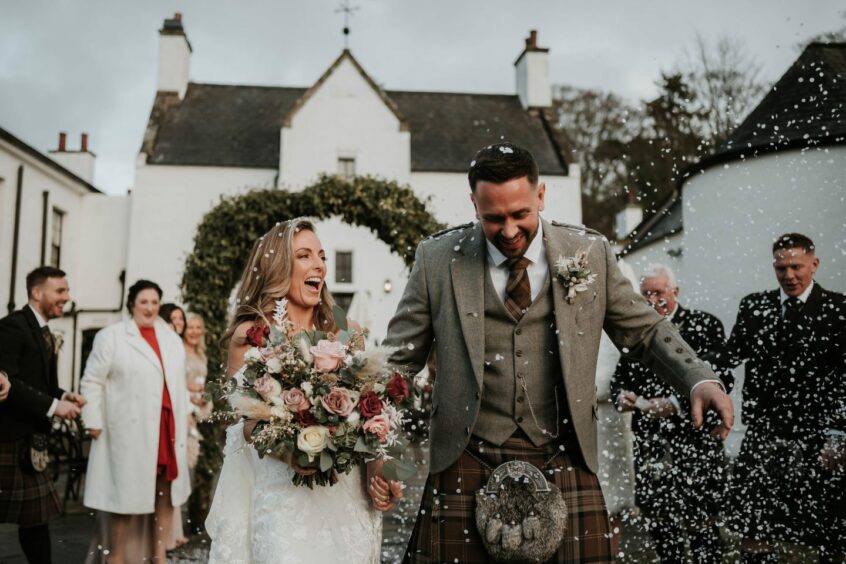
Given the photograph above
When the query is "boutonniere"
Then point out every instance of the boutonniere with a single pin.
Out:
(575, 274)
(58, 341)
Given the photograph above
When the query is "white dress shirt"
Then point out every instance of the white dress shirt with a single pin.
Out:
(42, 323)
(803, 297)
(537, 270)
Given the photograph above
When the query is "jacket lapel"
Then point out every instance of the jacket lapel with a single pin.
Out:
(138, 343)
(35, 329)
(468, 276)
(565, 314)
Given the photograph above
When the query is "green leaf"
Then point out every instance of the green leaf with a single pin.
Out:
(344, 337)
(340, 317)
(398, 469)
(362, 446)
(325, 461)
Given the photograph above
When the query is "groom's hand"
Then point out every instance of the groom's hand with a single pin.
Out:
(710, 395)
(383, 494)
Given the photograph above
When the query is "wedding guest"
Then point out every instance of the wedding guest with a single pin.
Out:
(137, 414)
(200, 407)
(29, 396)
(680, 471)
(175, 317)
(793, 342)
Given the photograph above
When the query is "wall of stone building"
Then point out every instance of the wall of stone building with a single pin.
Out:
(344, 118)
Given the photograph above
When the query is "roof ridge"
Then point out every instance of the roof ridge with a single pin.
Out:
(438, 92)
(266, 86)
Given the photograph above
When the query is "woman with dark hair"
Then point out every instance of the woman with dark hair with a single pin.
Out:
(137, 414)
(174, 316)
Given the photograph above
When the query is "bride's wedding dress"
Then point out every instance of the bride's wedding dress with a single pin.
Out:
(259, 516)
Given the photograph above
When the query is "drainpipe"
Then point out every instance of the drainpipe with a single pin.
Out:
(45, 196)
(15, 238)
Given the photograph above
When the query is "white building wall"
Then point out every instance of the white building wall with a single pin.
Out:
(167, 205)
(345, 118)
(532, 80)
(174, 64)
(664, 252)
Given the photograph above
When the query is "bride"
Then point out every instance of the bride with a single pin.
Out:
(258, 515)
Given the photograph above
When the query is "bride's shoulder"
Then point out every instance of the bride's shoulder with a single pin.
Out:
(239, 334)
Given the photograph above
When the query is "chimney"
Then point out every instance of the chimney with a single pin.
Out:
(532, 74)
(629, 217)
(174, 57)
(81, 162)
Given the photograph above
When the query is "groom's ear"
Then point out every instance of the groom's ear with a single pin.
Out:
(541, 196)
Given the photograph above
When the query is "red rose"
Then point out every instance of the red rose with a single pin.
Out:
(305, 418)
(369, 404)
(397, 388)
(257, 333)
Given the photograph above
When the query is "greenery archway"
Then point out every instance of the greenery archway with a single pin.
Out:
(222, 245)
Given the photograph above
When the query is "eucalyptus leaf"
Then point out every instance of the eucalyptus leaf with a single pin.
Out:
(325, 461)
(340, 317)
(362, 446)
(344, 337)
(398, 469)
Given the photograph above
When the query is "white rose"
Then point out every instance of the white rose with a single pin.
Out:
(307, 388)
(312, 440)
(252, 355)
(354, 418)
(274, 366)
(379, 388)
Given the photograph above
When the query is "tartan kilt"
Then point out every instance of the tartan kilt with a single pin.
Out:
(26, 498)
(445, 530)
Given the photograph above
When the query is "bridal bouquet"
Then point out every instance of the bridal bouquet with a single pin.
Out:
(322, 399)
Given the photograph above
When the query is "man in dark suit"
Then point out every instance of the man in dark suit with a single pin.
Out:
(28, 360)
(680, 471)
(793, 341)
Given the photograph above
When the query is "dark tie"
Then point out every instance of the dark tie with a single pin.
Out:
(518, 291)
(792, 309)
(48, 340)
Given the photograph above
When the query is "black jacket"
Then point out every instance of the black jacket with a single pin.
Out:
(32, 372)
(794, 383)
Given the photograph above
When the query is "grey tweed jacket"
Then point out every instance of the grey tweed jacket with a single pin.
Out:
(443, 308)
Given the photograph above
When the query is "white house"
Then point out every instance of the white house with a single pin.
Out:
(51, 214)
(204, 141)
(782, 170)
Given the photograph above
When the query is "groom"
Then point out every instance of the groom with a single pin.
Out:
(516, 358)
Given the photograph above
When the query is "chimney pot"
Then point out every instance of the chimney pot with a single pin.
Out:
(533, 39)
(83, 143)
(177, 16)
(62, 140)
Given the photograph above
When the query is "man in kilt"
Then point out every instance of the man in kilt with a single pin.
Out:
(787, 483)
(516, 344)
(28, 360)
(680, 471)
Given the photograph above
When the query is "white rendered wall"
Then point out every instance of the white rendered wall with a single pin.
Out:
(174, 64)
(532, 74)
(78, 162)
(450, 197)
(658, 253)
(345, 117)
(167, 205)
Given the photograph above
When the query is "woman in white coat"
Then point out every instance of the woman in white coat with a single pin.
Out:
(136, 413)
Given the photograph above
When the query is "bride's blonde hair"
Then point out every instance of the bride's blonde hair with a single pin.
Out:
(267, 278)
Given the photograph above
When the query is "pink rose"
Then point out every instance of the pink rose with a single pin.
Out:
(294, 400)
(328, 355)
(267, 387)
(338, 401)
(379, 426)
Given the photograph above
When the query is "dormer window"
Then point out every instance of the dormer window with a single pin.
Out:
(346, 167)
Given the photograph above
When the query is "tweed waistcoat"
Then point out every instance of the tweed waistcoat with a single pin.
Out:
(513, 348)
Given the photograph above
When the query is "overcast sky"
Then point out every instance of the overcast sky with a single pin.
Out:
(90, 65)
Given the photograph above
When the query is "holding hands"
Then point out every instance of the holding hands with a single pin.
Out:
(383, 493)
(70, 406)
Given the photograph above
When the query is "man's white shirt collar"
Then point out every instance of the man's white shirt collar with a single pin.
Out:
(41, 321)
(533, 253)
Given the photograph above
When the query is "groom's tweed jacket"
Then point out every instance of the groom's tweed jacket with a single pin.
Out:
(443, 307)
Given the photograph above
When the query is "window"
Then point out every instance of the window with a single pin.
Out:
(343, 300)
(56, 238)
(346, 167)
(343, 267)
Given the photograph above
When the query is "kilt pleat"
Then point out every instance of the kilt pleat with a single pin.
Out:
(26, 498)
(445, 530)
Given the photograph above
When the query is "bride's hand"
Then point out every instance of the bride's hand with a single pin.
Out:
(287, 458)
(384, 494)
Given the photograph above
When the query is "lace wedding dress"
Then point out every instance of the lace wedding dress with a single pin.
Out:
(259, 516)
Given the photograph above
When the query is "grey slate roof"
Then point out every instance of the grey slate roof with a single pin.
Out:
(665, 222)
(805, 108)
(239, 126)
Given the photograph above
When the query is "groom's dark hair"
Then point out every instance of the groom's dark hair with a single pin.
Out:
(794, 241)
(502, 162)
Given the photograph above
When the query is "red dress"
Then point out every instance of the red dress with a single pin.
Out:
(167, 431)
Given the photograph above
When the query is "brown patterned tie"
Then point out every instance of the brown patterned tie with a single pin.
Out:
(48, 340)
(518, 291)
